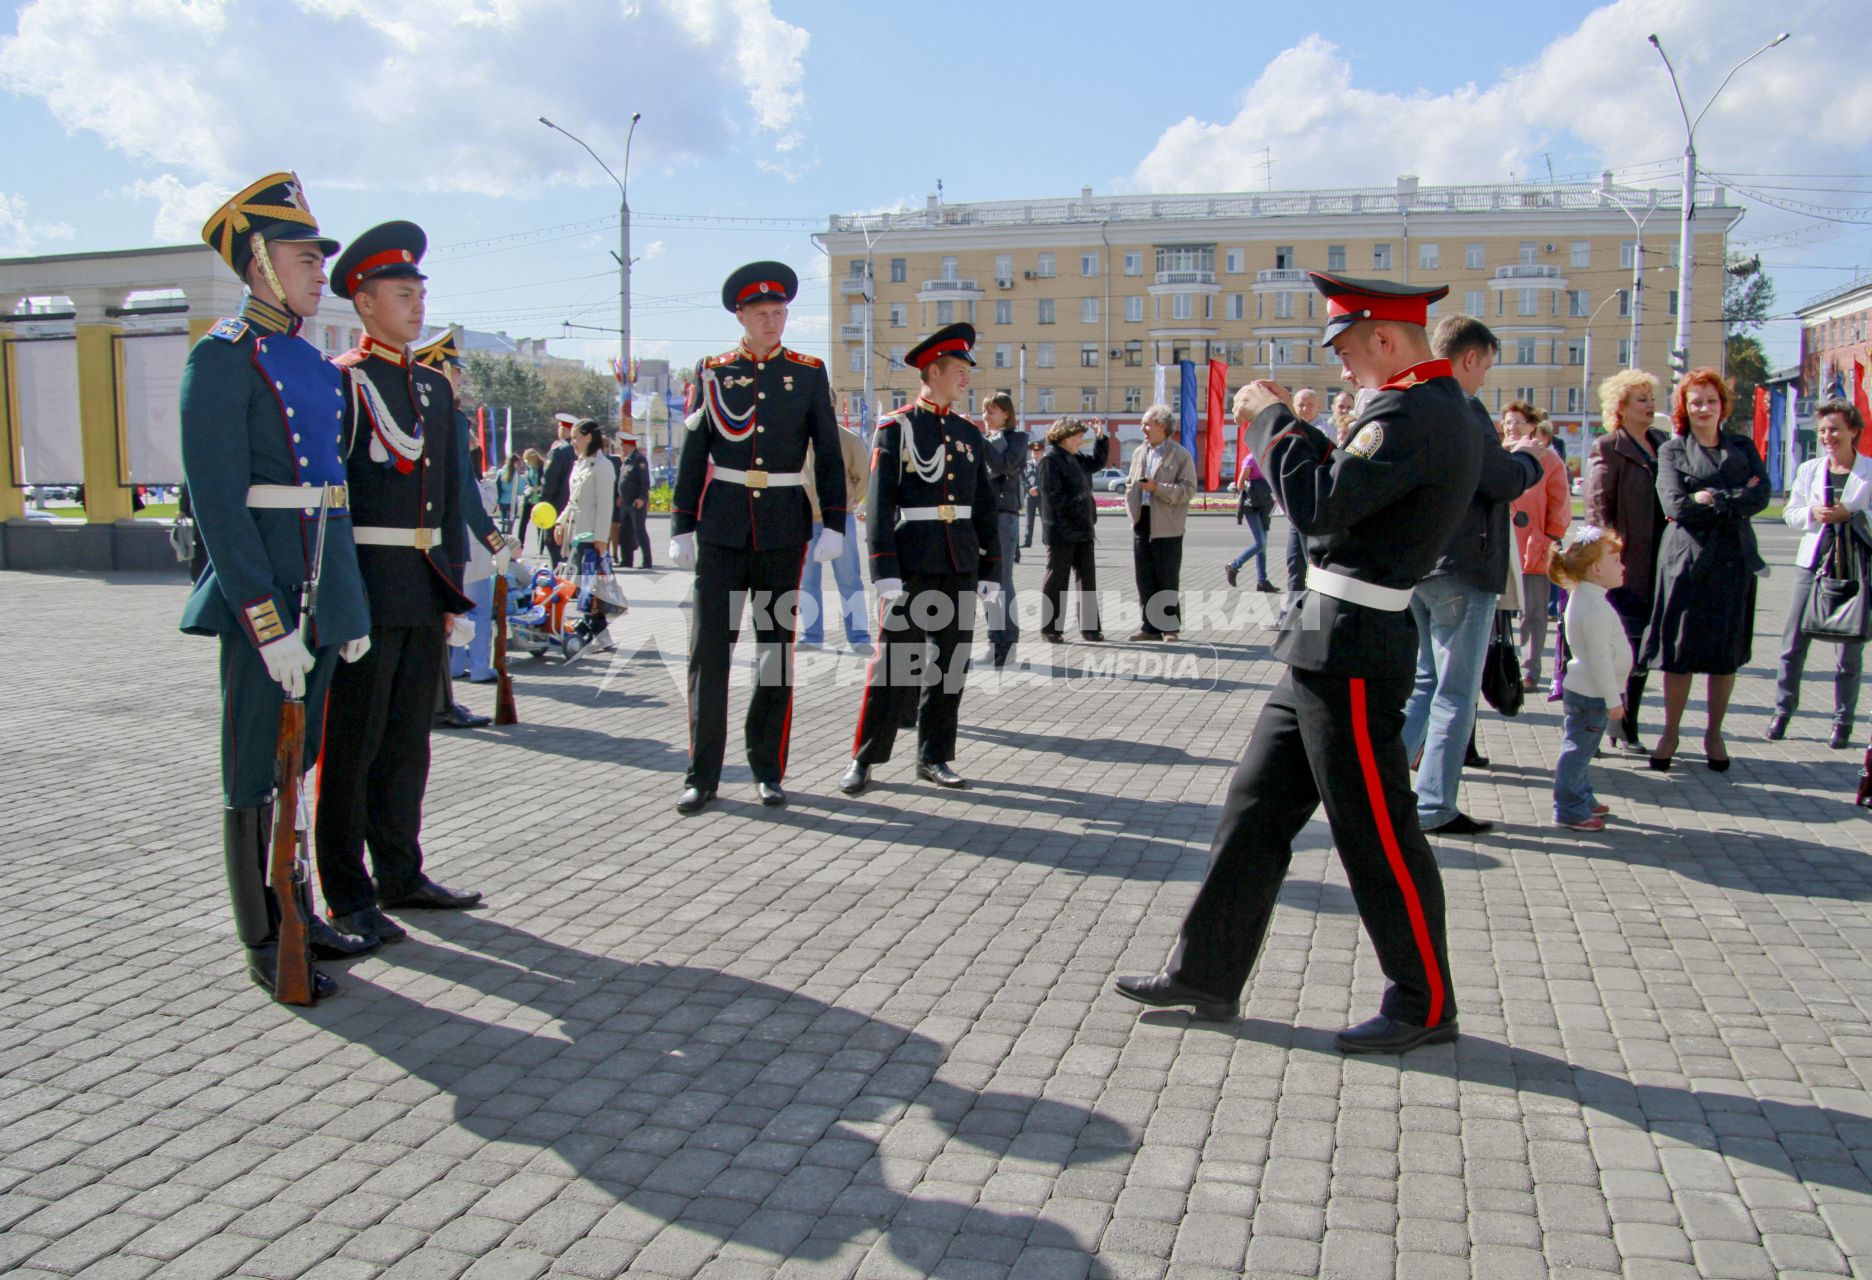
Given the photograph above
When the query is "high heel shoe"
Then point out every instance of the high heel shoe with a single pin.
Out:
(1716, 765)
(1661, 761)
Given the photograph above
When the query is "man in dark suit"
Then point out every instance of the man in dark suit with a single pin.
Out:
(633, 502)
(556, 476)
(1376, 514)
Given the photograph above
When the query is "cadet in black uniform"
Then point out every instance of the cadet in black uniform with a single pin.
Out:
(1376, 514)
(265, 418)
(406, 518)
(935, 541)
(740, 519)
(633, 501)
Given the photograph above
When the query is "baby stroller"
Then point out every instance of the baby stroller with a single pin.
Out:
(537, 600)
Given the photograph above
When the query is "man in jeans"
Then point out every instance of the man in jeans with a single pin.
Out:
(847, 572)
(1454, 605)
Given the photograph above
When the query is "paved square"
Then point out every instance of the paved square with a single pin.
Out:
(874, 1037)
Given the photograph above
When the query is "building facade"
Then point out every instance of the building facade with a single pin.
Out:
(1836, 338)
(1089, 295)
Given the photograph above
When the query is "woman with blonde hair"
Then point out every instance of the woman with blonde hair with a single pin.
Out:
(1621, 495)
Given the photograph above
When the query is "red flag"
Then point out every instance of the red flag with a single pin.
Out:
(1761, 421)
(481, 432)
(1859, 402)
(1212, 428)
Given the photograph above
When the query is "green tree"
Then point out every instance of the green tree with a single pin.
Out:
(1748, 369)
(535, 393)
(1748, 300)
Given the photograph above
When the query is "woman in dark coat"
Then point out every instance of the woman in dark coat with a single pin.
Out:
(1070, 515)
(1703, 615)
(1621, 495)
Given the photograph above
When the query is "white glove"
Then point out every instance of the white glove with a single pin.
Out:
(287, 663)
(352, 650)
(990, 591)
(831, 546)
(462, 633)
(682, 550)
(889, 588)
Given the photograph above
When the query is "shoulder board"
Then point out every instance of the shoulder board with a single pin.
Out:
(895, 416)
(232, 329)
(800, 357)
(350, 359)
(726, 357)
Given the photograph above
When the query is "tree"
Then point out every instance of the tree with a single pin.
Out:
(1748, 299)
(1748, 369)
(535, 393)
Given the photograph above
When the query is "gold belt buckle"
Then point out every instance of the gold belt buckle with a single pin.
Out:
(338, 495)
(424, 539)
(946, 513)
(757, 479)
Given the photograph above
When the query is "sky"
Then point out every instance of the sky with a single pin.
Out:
(127, 121)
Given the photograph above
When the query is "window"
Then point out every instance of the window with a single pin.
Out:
(1046, 399)
(1475, 256)
(1673, 302)
(857, 359)
(1046, 270)
(1088, 310)
(948, 271)
(899, 314)
(1180, 308)
(899, 399)
(900, 270)
(1134, 309)
(1527, 302)
(971, 400)
(1283, 257)
(1280, 351)
(1475, 302)
(857, 269)
(1582, 254)
(1234, 261)
(1004, 311)
(1572, 399)
(1525, 394)
(1134, 354)
(1043, 355)
(1046, 311)
(897, 355)
(1237, 309)
(1186, 258)
(1134, 399)
(1576, 302)
(1576, 351)
(1627, 253)
(1088, 264)
(1530, 253)
(1524, 351)
(1283, 305)
(1004, 266)
(1624, 302)
(1088, 355)
(1088, 399)
(857, 314)
(1427, 255)
(1004, 354)
(945, 313)
(1624, 353)
(1335, 257)
(1134, 263)
(1381, 257)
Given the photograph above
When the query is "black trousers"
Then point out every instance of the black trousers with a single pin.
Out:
(376, 767)
(921, 663)
(250, 714)
(1296, 560)
(1336, 740)
(727, 580)
(634, 533)
(1069, 559)
(1158, 565)
(1033, 514)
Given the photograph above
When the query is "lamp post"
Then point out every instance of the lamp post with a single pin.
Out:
(1680, 354)
(622, 255)
(868, 408)
(1637, 274)
(1586, 382)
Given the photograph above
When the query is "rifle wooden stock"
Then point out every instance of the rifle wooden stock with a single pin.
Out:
(292, 980)
(504, 710)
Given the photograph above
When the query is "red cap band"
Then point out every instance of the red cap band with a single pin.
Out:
(929, 356)
(1372, 306)
(388, 258)
(760, 286)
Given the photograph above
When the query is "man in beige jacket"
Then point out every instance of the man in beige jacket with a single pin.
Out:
(847, 570)
(1157, 496)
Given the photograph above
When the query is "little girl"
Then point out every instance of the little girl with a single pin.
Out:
(1587, 564)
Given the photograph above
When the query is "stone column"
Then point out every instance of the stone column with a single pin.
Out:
(106, 498)
(12, 501)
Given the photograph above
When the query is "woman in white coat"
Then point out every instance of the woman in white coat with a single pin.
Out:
(588, 526)
(1827, 490)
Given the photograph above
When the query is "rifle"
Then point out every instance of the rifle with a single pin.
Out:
(504, 710)
(290, 872)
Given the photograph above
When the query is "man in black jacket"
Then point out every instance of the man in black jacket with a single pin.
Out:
(633, 502)
(556, 478)
(1455, 603)
(1005, 449)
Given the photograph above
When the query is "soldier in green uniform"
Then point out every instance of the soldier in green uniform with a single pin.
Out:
(266, 419)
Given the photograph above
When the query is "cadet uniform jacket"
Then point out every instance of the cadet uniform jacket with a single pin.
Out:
(927, 459)
(633, 484)
(1380, 509)
(759, 414)
(262, 406)
(408, 586)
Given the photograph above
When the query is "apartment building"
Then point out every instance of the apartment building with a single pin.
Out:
(1836, 338)
(1090, 294)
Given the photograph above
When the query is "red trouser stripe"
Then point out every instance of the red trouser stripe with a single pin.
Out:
(877, 655)
(1387, 837)
(786, 727)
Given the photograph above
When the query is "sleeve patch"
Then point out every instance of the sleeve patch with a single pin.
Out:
(232, 329)
(1368, 441)
(264, 621)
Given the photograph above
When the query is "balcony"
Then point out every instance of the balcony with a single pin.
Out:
(1185, 277)
(851, 333)
(852, 287)
(1287, 277)
(1527, 271)
(950, 286)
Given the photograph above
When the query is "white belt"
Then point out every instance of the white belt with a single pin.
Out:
(284, 497)
(948, 513)
(1357, 591)
(380, 536)
(760, 479)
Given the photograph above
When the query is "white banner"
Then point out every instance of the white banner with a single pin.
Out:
(45, 395)
(152, 406)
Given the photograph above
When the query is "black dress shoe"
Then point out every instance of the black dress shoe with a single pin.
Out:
(1473, 759)
(263, 964)
(941, 774)
(459, 717)
(1388, 1035)
(855, 778)
(1841, 735)
(695, 799)
(1053, 637)
(334, 944)
(1460, 825)
(1777, 728)
(369, 922)
(430, 896)
(1095, 637)
(1165, 992)
(770, 794)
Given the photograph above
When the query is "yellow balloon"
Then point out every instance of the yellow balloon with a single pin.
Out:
(544, 517)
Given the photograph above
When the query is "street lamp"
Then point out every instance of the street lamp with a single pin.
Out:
(1680, 354)
(1586, 380)
(1637, 275)
(622, 255)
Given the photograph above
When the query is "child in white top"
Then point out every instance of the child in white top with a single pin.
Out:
(1587, 564)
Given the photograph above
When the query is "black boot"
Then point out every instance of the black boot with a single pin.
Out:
(1634, 693)
(246, 843)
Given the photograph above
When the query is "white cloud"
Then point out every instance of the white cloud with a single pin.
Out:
(396, 93)
(1598, 94)
(19, 234)
(180, 209)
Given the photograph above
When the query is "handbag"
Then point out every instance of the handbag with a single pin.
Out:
(1835, 608)
(1501, 669)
